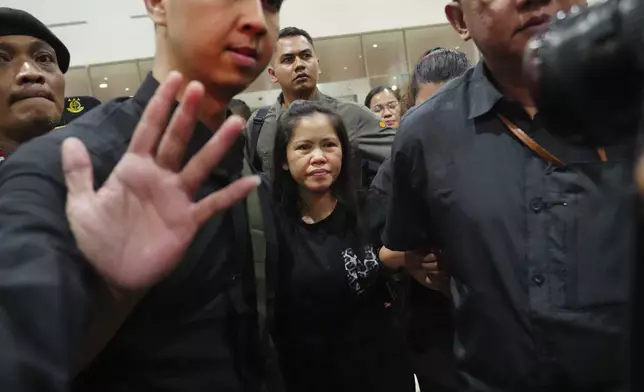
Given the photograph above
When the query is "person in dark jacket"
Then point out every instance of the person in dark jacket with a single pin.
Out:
(424, 306)
(32, 83)
(76, 107)
(536, 231)
(121, 267)
(332, 330)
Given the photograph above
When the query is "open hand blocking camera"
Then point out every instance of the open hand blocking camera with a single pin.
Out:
(137, 226)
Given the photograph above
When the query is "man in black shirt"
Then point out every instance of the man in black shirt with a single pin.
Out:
(537, 233)
(102, 303)
(32, 84)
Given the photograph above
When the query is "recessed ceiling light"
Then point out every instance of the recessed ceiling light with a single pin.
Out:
(359, 57)
(345, 68)
(105, 78)
(375, 45)
(457, 48)
(102, 85)
(394, 78)
(394, 87)
(127, 89)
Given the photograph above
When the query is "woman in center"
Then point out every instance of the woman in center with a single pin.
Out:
(332, 329)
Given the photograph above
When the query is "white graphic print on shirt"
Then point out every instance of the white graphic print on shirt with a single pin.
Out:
(358, 270)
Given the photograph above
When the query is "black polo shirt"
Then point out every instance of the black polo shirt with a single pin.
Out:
(195, 331)
(539, 254)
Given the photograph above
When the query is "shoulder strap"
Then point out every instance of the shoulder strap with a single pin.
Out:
(266, 256)
(537, 148)
(266, 253)
(258, 122)
(530, 142)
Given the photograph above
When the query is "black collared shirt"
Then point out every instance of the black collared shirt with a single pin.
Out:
(539, 255)
(195, 331)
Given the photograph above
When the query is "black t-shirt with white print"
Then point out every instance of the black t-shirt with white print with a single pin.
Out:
(331, 321)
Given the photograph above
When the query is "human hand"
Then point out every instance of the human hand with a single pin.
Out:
(137, 226)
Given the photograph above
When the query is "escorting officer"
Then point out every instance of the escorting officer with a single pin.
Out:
(537, 232)
(32, 86)
(114, 274)
(295, 67)
(76, 107)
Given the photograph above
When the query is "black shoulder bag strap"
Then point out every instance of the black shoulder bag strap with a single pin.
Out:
(258, 122)
(265, 275)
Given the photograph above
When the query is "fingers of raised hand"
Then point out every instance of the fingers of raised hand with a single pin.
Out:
(207, 159)
(179, 131)
(155, 117)
(77, 168)
(223, 199)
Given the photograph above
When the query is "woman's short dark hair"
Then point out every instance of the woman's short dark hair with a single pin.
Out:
(438, 65)
(285, 189)
(377, 90)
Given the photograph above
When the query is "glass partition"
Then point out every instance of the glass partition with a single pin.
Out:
(350, 66)
(340, 59)
(110, 81)
(77, 82)
(145, 67)
(420, 40)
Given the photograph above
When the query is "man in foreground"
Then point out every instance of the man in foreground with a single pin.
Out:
(143, 289)
(536, 231)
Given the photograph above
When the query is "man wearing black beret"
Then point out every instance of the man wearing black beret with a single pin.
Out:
(76, 107)
(32, 86)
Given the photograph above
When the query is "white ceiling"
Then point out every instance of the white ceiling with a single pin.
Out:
(101, 31)
(69, 11)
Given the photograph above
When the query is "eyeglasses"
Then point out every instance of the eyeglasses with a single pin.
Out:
(391, 105)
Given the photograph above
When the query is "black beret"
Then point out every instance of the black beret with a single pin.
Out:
(18, 22)
(76, 107)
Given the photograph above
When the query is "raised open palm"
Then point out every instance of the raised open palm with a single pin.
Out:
(136, 227)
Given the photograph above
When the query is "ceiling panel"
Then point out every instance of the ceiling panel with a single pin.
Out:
(64, 11)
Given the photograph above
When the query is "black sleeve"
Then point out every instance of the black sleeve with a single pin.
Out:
(44, 282)
(382, 180)
(407, 214)
(376, 213)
